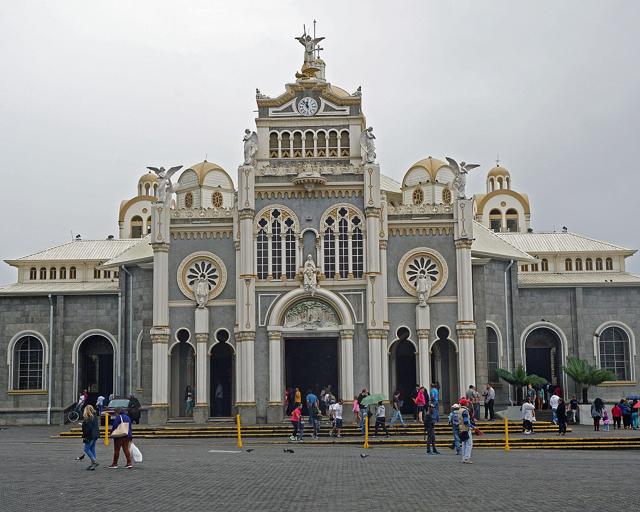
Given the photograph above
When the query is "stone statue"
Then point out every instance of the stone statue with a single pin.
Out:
(201, 292)
(310, 46)
(165, 187)
(310, 276)
(250, 147)
(423, 287)
(368, 146)
(460, 181)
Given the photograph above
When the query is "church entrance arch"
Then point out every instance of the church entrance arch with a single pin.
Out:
(183, 375)
(221, 363)
(543, 354)
(444, 368)
(95, 367)
(403, 369)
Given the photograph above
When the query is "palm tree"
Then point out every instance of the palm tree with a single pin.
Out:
(520, 378)
(586, 375)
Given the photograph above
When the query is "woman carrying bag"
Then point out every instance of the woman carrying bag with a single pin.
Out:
(122, 436)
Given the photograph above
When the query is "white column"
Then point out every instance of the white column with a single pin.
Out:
(202, 374)
(245, 393)
(424, 359)
(269, 255)
(350, 253)
(275, 368)
(346, 365)
(160, 369)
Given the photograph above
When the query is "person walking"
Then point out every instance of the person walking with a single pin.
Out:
(397, 414)
(296, 422)
(528, 411)
(453, 421)
(381, 418)
(489, 395)
(596, 413)
(434, 396)
(573, 409)
(634, 415)
(561, 412)
(356, 411)
(100, 404)
(121, 438)
(465, 425)
(313, 408)
(421, 401)
(430, 431)
(336, 413)
(90, 434)
(553, 403)
(364, 409)
(616, 414)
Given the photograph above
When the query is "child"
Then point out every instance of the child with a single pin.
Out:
(336, 411)
(605, 420)
(296, 421)
(356, 411)
(381, 418)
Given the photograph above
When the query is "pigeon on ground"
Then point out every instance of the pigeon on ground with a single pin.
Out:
(288, 450)
(249, 450)
(364, 455)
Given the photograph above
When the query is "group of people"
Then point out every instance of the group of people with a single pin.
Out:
(326, 404)
(624, 414)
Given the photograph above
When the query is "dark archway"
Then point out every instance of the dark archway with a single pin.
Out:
(221, 380)
(444, 368)
(182, 376)
(95, 367)
(543, 353)
(403, 373)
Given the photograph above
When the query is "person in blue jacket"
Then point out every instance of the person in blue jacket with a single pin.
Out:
(121, 442)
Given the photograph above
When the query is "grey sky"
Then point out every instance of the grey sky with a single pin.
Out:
(92, 92)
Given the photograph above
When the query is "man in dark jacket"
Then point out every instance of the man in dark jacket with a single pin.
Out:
(430, 430)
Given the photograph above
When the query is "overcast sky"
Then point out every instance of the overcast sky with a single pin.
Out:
(93, 92)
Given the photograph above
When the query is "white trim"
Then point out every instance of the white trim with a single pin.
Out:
(358, 317)
(564, 346)
(262, 320)
(116, 357)
(394, 339)
(632, 342)
(170, 349)
(10, 357)
(215, 334)
(139, 358)
(275, 316)
(175, 333)
(496, 329)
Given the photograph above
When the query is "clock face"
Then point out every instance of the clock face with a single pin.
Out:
(307, 106)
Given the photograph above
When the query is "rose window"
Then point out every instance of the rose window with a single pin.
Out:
(204, 269)
(422, 261)
(422, 265)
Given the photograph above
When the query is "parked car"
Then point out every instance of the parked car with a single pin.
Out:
(130, 407)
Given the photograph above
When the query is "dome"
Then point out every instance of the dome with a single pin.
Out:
(498, 171)
(425, 169)
(149, 177)
(203, 168)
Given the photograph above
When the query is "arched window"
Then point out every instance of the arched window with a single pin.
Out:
(309, 145)
(343, 243)
(216, 200)
(321, 144)
(285, 145)
(148, 225)
(614, 352)
(446, 196)
(578, 263)
(63, 272)
(297, 145)
(344, 143)
(568, 265)
(33, 273)
(273, 145)
(493, 355)
(53, 273)
(492, 185)
(333, 143)
(276, 244)
(512, 220)
(147, 188)
(499, 182)
(495, 220)
(609, 264)
(545, 265)
(188, 200)
(43, 273)
(72, 272)
(418, 196)
(589, 264)
(598, 263)
(155, 189)
(28, 363)
(136, 227)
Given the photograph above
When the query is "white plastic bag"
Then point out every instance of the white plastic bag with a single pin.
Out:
(135, 453)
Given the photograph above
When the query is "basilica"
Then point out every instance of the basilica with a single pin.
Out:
(314, 268)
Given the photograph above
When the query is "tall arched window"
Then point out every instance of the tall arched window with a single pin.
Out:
(28, 363)
(297, 145)
(309, 144)
(342, 242)
(588, 264)
(149, 224)
(33, 273)
(495, 220)
(43, 273)
(609, 264)
(578, 263)
(136, 227)
(614, 352)
(72, 272)
(568, 265)
(63, 272)
(53, 273)
(273, 145)
(276, 243)
(344, 143)
(493, 355)
(598, 263)
(512, 220)
(285, 145)
(544, 263)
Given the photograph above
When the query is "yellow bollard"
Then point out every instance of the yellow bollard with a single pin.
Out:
(506, 435)
(366, 431)
(239, 433)
(106, 429)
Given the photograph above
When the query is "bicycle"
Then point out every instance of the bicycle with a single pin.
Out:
(74, 414)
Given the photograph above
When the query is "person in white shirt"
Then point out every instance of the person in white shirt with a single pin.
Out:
(381, 418)
(100, 404)
(553, 403)
(528, 416)
(335, 411)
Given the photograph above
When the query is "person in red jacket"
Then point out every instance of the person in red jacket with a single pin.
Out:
(296, 421)
(616, 414)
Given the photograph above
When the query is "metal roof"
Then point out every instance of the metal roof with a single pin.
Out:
(138, 253)
(487, 243)
(389, 184)
(81, 250)
(560, 243)
(45, 288)
(542, 279)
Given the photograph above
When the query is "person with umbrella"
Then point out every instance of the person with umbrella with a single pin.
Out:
(369, 400)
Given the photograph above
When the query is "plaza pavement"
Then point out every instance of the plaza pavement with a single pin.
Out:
(39, 473)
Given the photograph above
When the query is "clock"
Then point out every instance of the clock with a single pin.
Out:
(307, 106)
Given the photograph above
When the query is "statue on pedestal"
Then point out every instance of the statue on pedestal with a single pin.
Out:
(368, 146)
(423, 287)
(201, 292)
(310, 276)
(250, 147)
(460, 181)
(165, 187)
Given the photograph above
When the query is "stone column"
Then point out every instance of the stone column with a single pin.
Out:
(346, 364)
(201, 410)
(245, 394)
(276, 394)
(160, 332)
(423, 326)
(378, 378)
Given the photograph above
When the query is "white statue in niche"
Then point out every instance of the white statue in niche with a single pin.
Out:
(201, 292)
(310, 276)
(423, 287)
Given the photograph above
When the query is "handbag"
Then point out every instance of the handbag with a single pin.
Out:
(122, 430)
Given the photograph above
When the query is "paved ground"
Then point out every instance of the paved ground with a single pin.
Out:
(38, 473)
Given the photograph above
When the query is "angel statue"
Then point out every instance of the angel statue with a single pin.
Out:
(368, 146)
(310, 275)
(310, 46)
(165, 187)
(460, 171)
(423, 287)
(250, 147)
(201, 292)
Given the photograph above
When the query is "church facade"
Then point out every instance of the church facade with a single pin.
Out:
(316, 269)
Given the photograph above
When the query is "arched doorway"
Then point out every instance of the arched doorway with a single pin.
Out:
(95, 367)
(183, 375)
(543, 354)
(444, 368)
(221, 376)
(402, 369)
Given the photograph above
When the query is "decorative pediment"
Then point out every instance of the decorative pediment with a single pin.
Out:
(310, 314)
